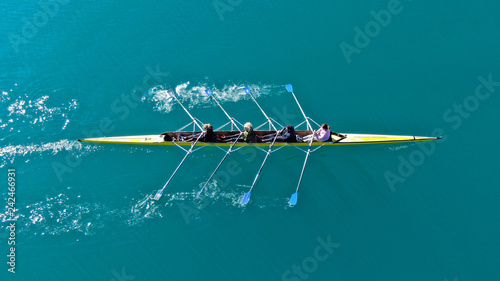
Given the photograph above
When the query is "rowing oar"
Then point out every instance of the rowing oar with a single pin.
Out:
(210, 94)
(170, 95)
(293, 198)
(246, 198)
(248, 92)
(289, 88)
(160, 192)
(218, 166)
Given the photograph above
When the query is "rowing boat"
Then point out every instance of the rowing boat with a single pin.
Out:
(232, 139)
(167, 138)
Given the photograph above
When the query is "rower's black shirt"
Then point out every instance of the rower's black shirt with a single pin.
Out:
(209, 136)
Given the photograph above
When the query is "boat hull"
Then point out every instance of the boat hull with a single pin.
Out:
(350, 139)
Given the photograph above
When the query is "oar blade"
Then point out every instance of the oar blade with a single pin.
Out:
(158, 194)
(170, 96)
(246, 198)
(208, 92)
(293, 199)
(247, 91)
(199, 193)
(289, 88)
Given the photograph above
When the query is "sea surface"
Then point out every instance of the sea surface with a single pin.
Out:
(76, 69)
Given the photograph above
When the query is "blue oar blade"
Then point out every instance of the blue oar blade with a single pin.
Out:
(289, 88)
(247, 90)
(209, 92)
(158, 194)
(246, 198)
(293, 199)
(170, 96)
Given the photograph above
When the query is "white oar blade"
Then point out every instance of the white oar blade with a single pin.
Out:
(293, 199)
(246, 198)
(158, 195)
(198, 194)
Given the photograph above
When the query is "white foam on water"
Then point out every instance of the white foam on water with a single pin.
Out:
(61, 214)
(193, 95)
(231, 197)
(23, 109)
(9, 153)
(399, 147)
(144, 208)
(4, 97)
(65, 124)
(192, 209)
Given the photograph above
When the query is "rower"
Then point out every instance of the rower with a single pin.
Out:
(323, 134)
(209, 133)
(206, 136)
(287, 134)
(249, 134)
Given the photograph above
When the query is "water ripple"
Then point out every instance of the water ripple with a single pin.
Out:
(33, 111)
(63, 213)
(9, 153)
(193, 95)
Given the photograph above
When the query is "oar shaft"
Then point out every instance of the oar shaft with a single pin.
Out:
(191, 116)
(305, 162)
(209, 92)
(293, 199)
(303, 169)
(220, 163)
(303, 114)
(228, 116)
(215, 171)
(263, 112)
(258, 173)
(176, 169)
(160, 192)
(264, 162)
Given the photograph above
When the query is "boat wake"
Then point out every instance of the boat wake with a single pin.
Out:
(9, 153)
(70, 212)
(65, 213)
(399, 147)
(62, 214)
(193, 95)
(33, 113)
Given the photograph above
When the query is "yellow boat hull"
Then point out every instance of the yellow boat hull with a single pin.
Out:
(350, 139)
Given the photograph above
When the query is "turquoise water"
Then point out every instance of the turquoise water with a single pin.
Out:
(381, 212)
